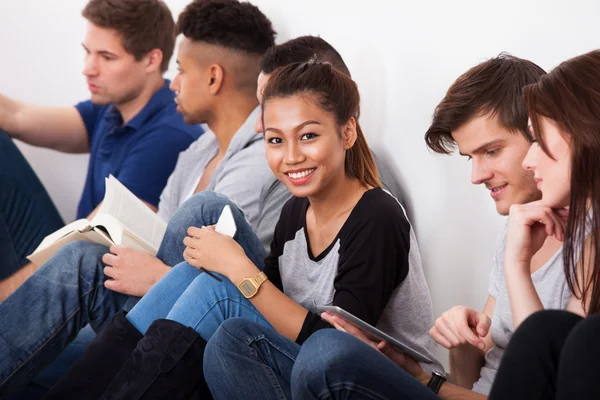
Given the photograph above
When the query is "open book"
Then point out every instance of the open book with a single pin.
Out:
(123, 219)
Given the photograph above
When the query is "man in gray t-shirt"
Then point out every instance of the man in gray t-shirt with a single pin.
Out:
(484, 115)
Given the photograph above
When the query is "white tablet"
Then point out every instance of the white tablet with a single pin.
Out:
(371, 330)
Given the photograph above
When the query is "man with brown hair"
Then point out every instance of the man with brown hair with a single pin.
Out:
(129, 123)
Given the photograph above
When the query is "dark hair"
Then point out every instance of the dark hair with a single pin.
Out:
(301, 49)
(227, 23)
(491, 87)
(144, 25)
(336, 93)
(570, 97)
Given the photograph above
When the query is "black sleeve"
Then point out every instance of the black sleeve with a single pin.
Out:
(374, 261)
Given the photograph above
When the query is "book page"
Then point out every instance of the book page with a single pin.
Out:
(78, 225)
(132, 213)
(41, 255)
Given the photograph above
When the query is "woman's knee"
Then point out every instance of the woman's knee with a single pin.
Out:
(199, 210)
(582, 342)
(547, 325)
(325, 350)
(233, 335)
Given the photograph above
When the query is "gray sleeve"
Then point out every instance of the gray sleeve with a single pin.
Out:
(241, 180)
(169, 198)
(273, 196)
(497, 274)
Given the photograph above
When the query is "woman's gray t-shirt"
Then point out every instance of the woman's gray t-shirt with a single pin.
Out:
(552, 288)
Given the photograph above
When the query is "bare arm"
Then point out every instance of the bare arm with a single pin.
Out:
(58, 128)
(287, 318)
(531, 226)
(448, 391)
(466, 360)
(524, 299)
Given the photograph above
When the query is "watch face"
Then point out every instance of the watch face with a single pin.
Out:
(247, 288)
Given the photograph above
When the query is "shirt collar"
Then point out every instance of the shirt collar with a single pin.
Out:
(159, 100)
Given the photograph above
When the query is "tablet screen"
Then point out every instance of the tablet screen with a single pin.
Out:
(371, 330)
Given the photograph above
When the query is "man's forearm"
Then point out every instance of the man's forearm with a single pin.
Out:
(8, 111)
(465, 365)
(449, 391)
(59, 128)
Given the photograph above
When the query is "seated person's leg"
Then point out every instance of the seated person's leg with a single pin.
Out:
(244, 359)
(335, 365)
(577, 373)
(207, 303)
(47, 312)
(27, 213)
(529, 365)
(46, 379)
(159, 301)
(204, 209)
(206, 293)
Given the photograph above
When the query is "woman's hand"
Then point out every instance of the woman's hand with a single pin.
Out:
(213, 251)
(398, 357)
(529, 225)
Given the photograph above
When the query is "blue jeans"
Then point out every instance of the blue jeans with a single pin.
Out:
(245, 360)
(27, 213)
(66, 293)
(196, 299)
(335, 365)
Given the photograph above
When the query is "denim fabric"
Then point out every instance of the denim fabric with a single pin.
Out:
(27, 213)
(246, 360)
(196, 299)
(335, 365)
(45, 314)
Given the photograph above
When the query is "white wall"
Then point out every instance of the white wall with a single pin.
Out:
(403, 54)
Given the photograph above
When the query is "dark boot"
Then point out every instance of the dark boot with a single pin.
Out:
(166, 364)
(90, 376)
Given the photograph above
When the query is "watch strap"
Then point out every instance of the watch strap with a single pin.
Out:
(259, 279)
(436, 381)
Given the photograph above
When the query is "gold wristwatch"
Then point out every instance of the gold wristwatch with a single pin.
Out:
(249, 286)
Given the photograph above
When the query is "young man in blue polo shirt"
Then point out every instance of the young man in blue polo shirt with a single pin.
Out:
(130, 128)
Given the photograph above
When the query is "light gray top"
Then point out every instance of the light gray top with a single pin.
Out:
(239, 176)
(274, 194)
(551, 285)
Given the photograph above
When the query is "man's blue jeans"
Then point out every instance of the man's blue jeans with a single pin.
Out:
(40, 319)
(27, 213)
(198, 300)
(247, 360)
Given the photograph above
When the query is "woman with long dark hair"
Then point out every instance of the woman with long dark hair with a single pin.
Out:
(554, 354)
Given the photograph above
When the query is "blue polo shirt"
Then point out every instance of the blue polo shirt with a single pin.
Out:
(141, 154)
